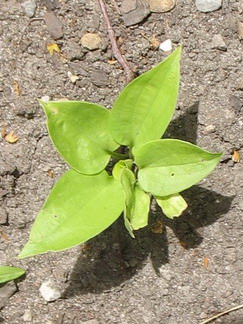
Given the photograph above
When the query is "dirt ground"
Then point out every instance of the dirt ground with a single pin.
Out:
(194, 268)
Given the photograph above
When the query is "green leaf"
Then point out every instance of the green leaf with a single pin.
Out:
(144, 108)
(172, 206)
(137, 203)
(119, 167)
(10, 273)
(78, 208)
(140, 211)
(80, 132)
(169, 166)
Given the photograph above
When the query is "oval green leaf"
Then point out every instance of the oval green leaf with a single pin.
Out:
(169, 166)
(144, 108)
(10, 273)
(173, 205)
(80, 133)
(78, 208)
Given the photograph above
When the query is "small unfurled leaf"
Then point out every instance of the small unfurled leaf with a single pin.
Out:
(10, 273)
(80, 132)
(78, 208)
(53, 47)
(172, 206)
(119, 166)
(17, 88)
(136, 204)
(144, 108)
(11, 138)
(169, 166)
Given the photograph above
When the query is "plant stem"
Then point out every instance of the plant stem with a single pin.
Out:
(117, 54)
(119, 156)
(220, 314)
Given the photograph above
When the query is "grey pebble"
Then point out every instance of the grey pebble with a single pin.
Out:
(99, 78)
(3, 216)
(6, 292)
(93, 321)
(134, 11)
(29, 7)
(208, 5)
(235, 102)
(53, 25)
(219, 43)
(241, 204)
(50, 4)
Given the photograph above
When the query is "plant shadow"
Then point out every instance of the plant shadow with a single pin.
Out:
(113, 257)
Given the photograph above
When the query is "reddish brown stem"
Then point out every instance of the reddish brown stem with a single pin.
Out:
(116, 52)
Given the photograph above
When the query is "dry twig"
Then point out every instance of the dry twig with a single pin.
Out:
(221, 314)
(116, 52)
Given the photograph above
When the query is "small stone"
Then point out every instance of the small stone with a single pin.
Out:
(219, 43)
(29, 7)
(240, 6)
(27, 317)
(3, 216)
(235, 103)
(93, 321)
(209, 129)
(6, 292)
(53, 25)
(50, 4)
(73, 78)
(91, 41)
(99, 78)
(128, 5)
(240, 29)
(208, 5)
(240, 84)
(45, 98)
(134, 11)
(161, 5)
(241, 204)
(166, 46)
(49, 291)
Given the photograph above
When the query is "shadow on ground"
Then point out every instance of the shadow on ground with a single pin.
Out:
(113, 257)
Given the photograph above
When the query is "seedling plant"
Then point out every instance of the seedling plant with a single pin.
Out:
(89, 198)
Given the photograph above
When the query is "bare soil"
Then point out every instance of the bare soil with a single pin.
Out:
(194, 268)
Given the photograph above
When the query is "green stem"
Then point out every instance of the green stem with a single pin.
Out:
(119, 156)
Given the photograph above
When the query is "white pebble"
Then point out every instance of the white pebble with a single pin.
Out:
(48, 291)
(166, 46)
(45, 98)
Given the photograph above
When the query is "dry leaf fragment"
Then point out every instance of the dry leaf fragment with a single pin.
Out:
(50, 173)
(157, 227)
(112, 62)
(236, 156)
(3, 132)
(4, 236)
(183, 244)
(205, 262)
(17, 88)
(154, 42)
(11, 138)
(53, 47)
(72, 77)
